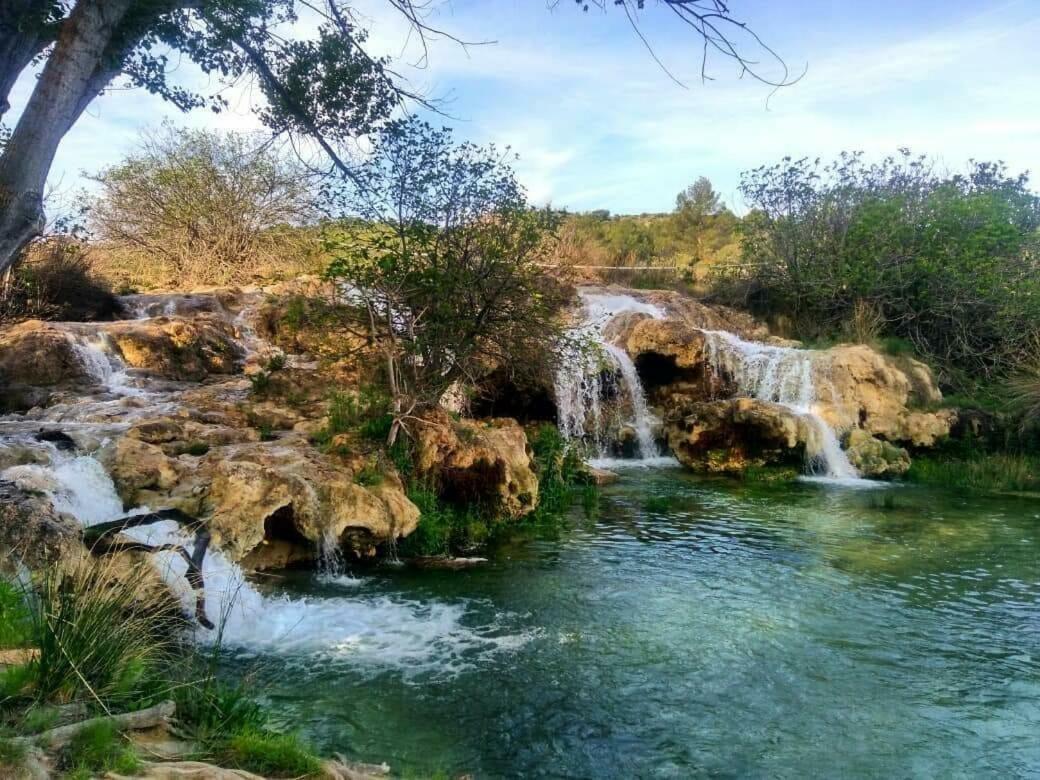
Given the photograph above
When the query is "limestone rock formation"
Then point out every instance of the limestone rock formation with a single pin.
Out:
(256, 493)
(861, 388)
(32, 532)
(873, 457)
(488, 462)
(729, 436)
(177, 348)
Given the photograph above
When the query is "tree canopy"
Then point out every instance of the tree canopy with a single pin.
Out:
(442, 259)
(318, 81)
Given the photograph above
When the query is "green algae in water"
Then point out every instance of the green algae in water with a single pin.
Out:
(705, 627)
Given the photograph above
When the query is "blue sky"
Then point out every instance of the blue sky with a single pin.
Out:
(597, 124)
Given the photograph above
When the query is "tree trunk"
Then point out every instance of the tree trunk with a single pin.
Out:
(74, 74)
(24, 32)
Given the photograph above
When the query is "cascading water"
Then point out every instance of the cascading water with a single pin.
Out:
(785, 376)
(584, 382)
(370, 631)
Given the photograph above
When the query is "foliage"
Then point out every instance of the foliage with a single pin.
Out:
(701, 232)
(100, 637)
(12, 753)
(15, 620)
(948, 263)
(443, 528)
(447, 277)
(99, 748)
(1024, 390)
(364, 412)
(207, 208)
(560, 469)
(53, 280)
(977, 471)
(268, 753)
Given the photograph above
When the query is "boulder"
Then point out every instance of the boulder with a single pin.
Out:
(875, 458)
(732, 435)
(266, 503)
(859, 387)
(32, 533)
(35, 358)
(178, 348)
(487, 462)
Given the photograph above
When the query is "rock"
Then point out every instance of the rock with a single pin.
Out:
(478, 462)
(32, 533)
(178, 348)
(602, 476)
(859, 387)
(36, 357)
(266, 503)
(732, 435)
(873, 457)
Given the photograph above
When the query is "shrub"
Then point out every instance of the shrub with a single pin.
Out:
(948, 263)
(202, 207)
(53, 280)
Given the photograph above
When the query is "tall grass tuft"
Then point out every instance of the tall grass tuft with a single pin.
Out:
(102, 637)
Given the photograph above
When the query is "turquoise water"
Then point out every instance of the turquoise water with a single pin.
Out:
(696, 628)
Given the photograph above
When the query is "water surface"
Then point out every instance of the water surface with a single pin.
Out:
(693, 628)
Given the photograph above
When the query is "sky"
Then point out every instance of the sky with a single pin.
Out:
(597, 123)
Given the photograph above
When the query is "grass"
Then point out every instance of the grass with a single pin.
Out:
(267, 753)
(978, 471)
(100, 636)
(12, 754)
(97, 749)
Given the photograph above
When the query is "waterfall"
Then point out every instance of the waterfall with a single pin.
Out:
(582, 384)
(370, 632)
(104, 364)
(782, 375)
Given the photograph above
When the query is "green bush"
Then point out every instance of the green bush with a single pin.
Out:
(949, 264)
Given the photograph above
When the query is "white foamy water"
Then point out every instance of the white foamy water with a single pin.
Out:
(367, 632)
(583, 382)
(781, 375)
(104, 364)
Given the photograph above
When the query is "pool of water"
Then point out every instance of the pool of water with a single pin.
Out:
(690, 628)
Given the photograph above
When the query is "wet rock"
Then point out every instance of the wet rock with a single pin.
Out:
(487, 462)
(178, 348)
(873, 457)
(32, 533)
(732, 435)
(602, 476)
(266, 503)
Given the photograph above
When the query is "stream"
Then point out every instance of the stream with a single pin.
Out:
(694, 627)
(685, 627)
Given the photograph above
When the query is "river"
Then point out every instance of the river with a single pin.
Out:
(690, 627)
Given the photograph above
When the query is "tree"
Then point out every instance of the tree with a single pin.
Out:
(443, 264)
(950, 263)
(696, 202)
(326, 87)
(213, 208)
